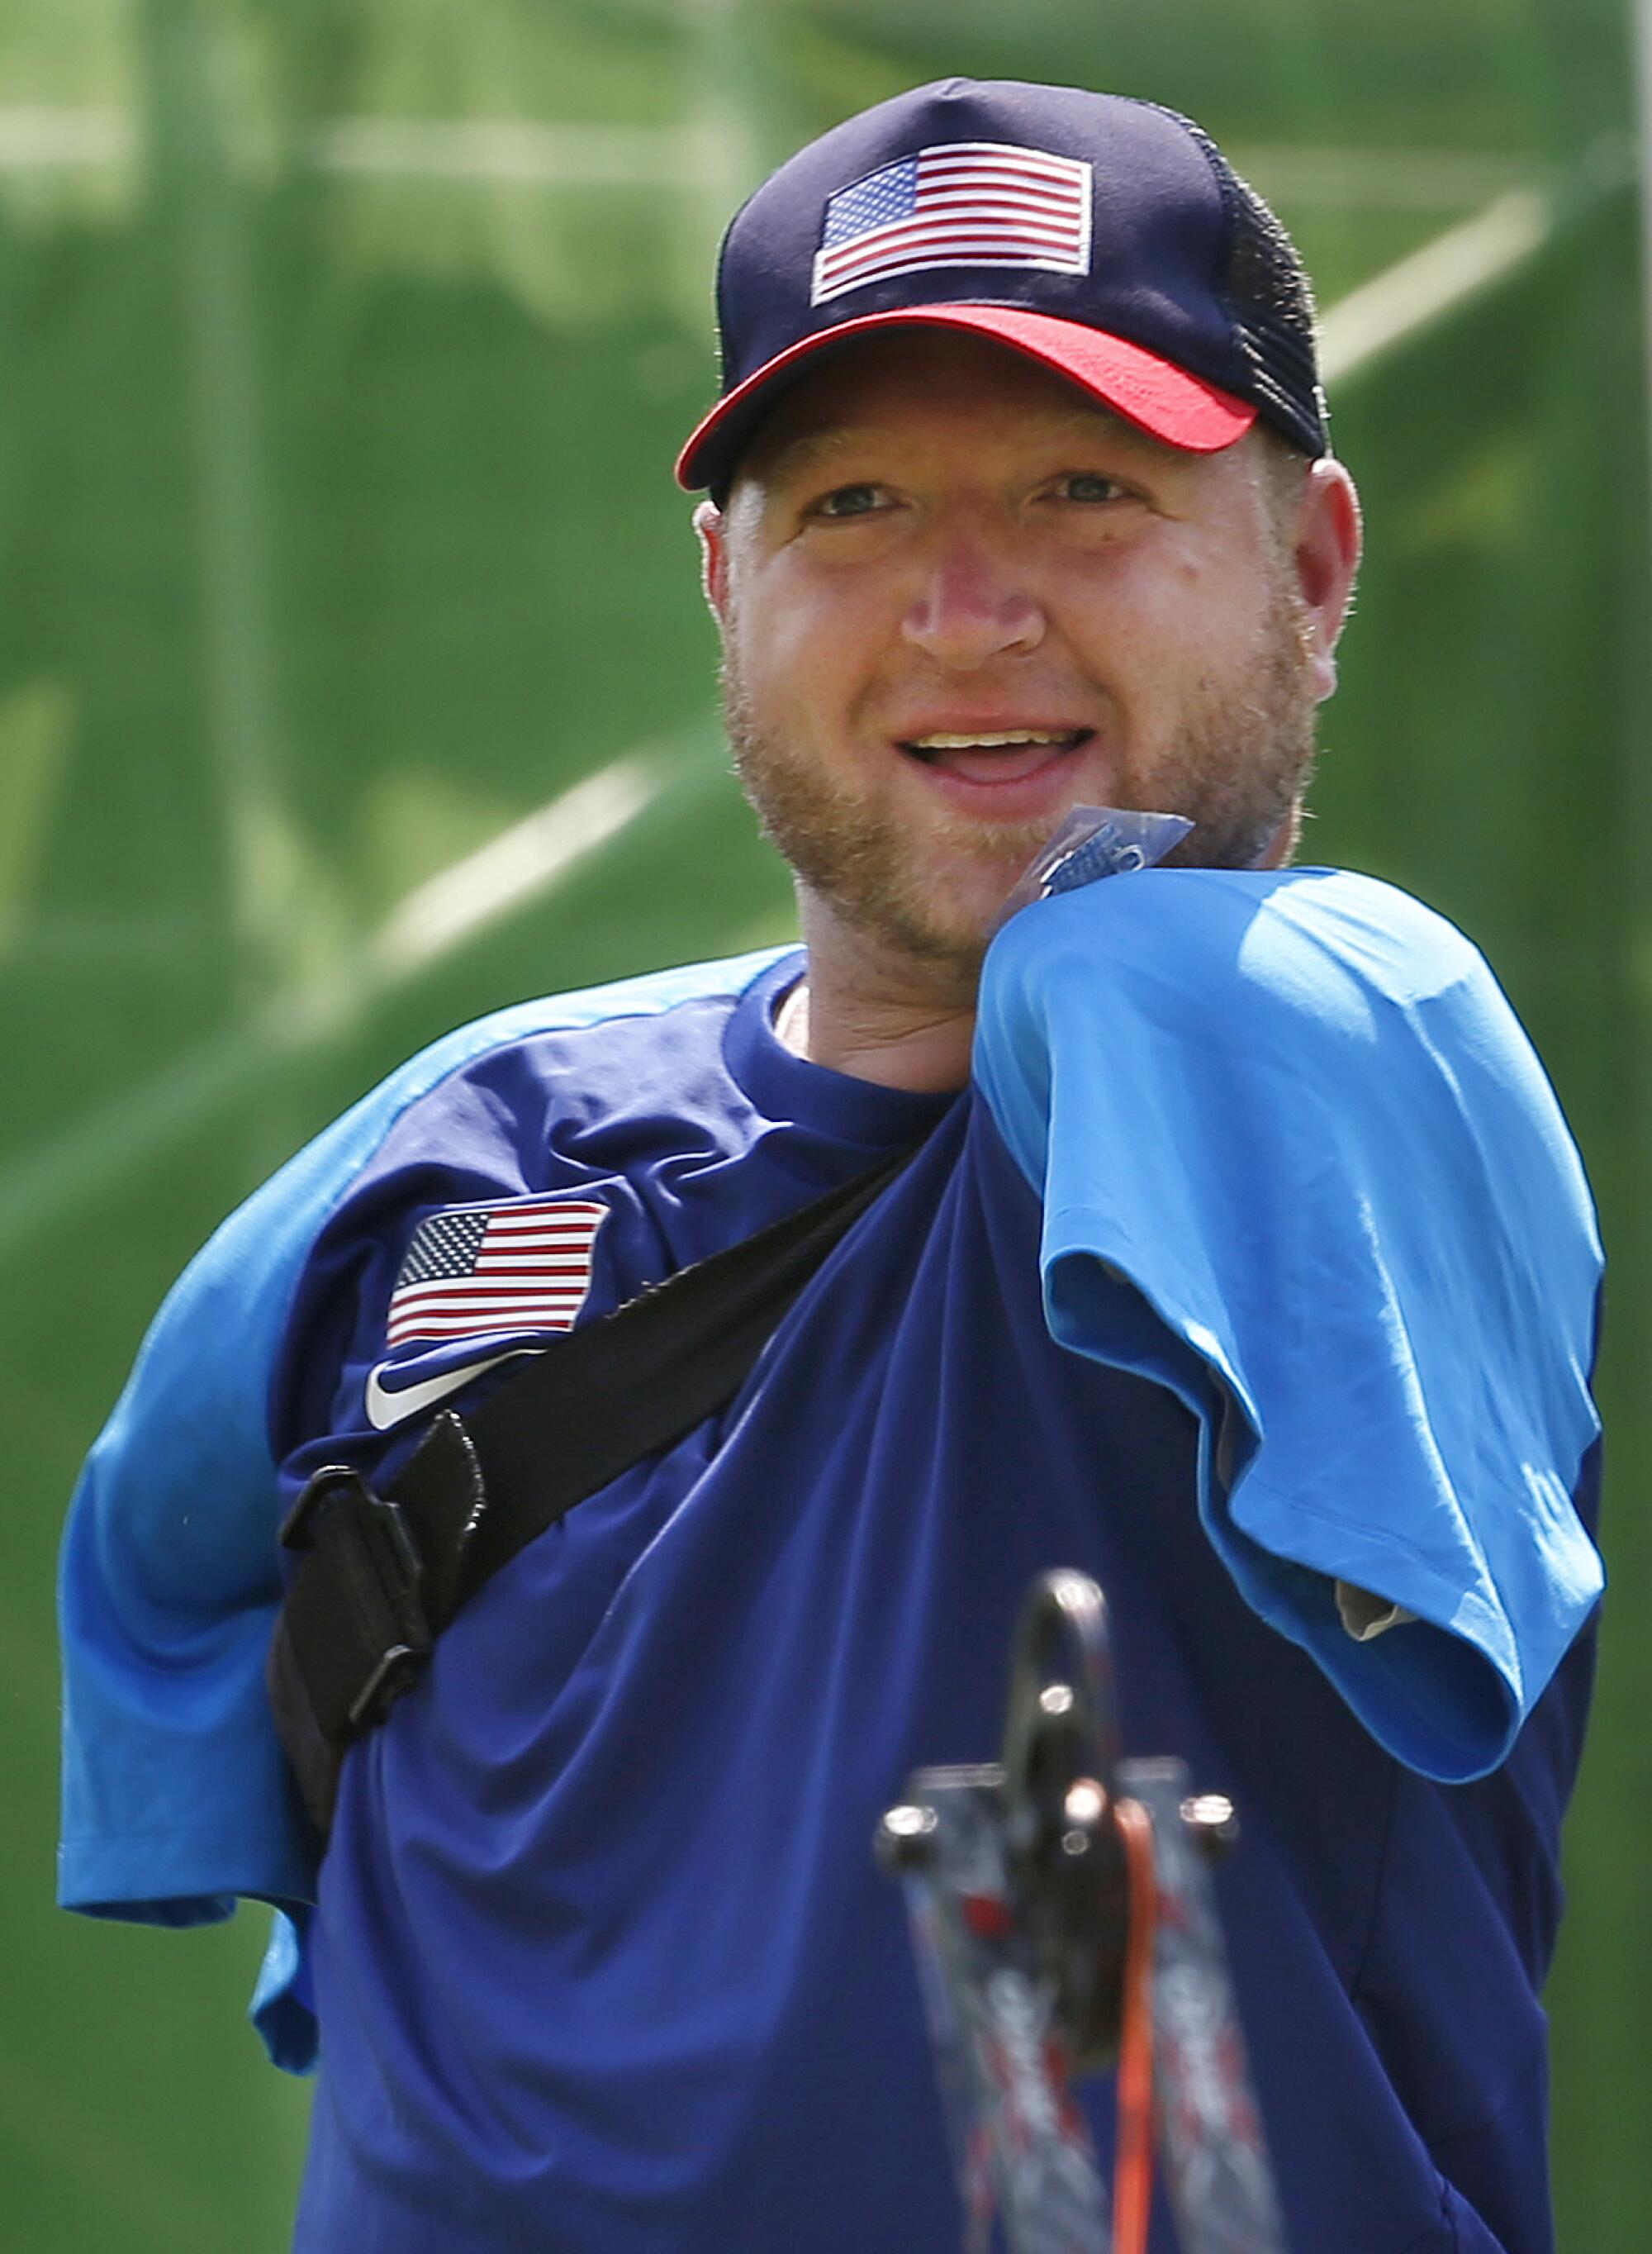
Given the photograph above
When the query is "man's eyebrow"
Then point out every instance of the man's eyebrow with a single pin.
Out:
(807, 449)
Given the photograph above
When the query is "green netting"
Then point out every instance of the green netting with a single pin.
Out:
(344, 351)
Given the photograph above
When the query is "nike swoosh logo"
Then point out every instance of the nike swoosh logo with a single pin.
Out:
(385, 1409)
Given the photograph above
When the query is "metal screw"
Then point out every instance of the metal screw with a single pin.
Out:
(1212, 1822)
(904, 1837)
(1085, 1802)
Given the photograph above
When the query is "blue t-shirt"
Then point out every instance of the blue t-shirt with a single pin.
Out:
(1254, 1260)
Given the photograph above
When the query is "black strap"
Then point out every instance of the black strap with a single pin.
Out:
(383, 1574)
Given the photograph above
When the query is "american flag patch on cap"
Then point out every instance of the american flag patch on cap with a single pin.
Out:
(962, 203)
(481, 1269)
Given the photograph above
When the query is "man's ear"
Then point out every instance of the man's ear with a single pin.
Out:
(712, 525)
(1327, 554)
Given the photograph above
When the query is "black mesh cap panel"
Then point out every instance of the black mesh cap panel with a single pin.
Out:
(1272, 301)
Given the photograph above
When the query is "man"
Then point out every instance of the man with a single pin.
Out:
(1242, 1260)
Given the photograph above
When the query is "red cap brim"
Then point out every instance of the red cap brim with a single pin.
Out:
(1164, 400)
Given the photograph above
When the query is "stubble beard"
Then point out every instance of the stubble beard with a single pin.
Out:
(1242, 757)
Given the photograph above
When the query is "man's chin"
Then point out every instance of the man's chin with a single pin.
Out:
(935, 910)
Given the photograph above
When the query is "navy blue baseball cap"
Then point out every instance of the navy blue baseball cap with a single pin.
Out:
(1107, 238)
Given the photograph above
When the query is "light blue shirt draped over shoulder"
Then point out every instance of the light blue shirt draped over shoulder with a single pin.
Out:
(1299, 1162)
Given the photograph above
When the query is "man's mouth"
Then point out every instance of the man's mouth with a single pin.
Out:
(994, 755)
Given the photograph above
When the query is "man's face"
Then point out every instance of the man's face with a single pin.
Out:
(957, 599)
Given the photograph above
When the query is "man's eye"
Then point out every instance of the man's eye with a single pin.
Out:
(1090, 486)
(850, 500)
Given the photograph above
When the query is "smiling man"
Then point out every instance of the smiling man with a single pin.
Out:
(1210, 1228)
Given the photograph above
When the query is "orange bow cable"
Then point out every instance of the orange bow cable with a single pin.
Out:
(1133, 2165)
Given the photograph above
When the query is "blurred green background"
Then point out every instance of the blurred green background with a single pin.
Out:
(353, 680)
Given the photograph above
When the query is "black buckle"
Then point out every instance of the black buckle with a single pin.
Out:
(333, 1483)
(362, 1582)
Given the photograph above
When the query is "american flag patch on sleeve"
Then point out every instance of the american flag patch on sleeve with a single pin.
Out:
(480, 1270)
(963, 203)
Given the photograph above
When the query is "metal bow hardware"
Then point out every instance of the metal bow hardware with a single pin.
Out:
(1064, 1922)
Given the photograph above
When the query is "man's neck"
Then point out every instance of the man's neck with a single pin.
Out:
(876, 1019)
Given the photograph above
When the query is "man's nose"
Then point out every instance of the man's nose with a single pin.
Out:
(972, 606)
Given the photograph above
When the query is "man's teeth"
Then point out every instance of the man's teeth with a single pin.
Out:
(985, 741)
